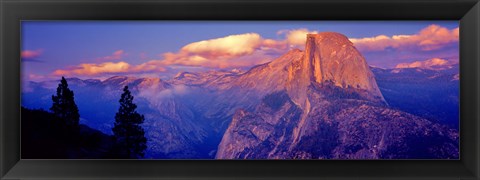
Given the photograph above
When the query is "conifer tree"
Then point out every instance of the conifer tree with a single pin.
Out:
(64, 106)
(128, 134)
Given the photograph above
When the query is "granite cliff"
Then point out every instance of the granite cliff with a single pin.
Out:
(332, 108)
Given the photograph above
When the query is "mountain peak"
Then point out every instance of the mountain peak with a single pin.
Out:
(331, 57)
(119, 80)
(433, 63)
(330, 36)
(183, 74)
(116, 77)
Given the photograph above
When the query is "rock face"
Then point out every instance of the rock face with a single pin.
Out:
(332, 108)
(331, 57)
(333, 129)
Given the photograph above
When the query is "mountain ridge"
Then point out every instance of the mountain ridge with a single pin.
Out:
(290, 99)
(324, 89)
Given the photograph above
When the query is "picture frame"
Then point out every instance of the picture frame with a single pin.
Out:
(14, 11)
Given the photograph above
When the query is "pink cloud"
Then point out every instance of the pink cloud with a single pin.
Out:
(248, 49)
(242, 49)
(273, 44)
(91, 69)
(226, 52)
(30, 54)
(36, 77)
(117, 55)
(433, 63)
(231, 51)
(233, 45)
(256, 57)
(296, 37)
(433, 37)
(94, 69)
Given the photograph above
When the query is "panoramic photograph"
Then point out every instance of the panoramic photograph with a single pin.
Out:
(243, 90)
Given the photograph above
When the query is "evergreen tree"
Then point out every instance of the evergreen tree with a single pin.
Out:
(129, 135)
(64, 106)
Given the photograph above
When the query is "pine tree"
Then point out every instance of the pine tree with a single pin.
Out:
(129, 135)
(64, 107)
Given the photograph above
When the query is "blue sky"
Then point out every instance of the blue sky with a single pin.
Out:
(64, 45)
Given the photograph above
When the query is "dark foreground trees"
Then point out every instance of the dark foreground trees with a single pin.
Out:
(64, 107)
(44, 137)
(129, 135)
(58, 135)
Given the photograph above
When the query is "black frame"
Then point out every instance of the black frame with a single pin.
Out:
(13, 11)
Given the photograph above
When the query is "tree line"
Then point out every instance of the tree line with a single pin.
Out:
(129, 136)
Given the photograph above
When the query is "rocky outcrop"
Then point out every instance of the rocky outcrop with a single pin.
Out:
(276, 115)
(335, 128)
(331, 57)
(243, 91)
(332, 108)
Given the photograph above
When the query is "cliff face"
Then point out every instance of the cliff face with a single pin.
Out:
(331, 108)
(331, 58)
(334, 129)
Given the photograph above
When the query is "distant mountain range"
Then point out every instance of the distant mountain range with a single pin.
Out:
(428, 93)
(434, 63)
(322, 103)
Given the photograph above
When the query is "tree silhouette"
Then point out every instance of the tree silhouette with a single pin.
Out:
(128, 134)
(64, 107)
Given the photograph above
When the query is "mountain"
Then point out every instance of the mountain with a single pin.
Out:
(434, 63)
(331, 57)
(335, 129)
(223, 92)
(332, 108)
(433, 94)
(173, 130)
(323, 102)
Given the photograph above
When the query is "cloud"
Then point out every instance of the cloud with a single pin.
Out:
(117, 55)
(27, 78)
(232, 51)
(91, 69)
(150, 66)
(36, 77)
(296, 37)
(433, 37)
(94, 69)
(229, 46)
(432, 63)
(248, 49)
(31, 55)
(33, 77)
